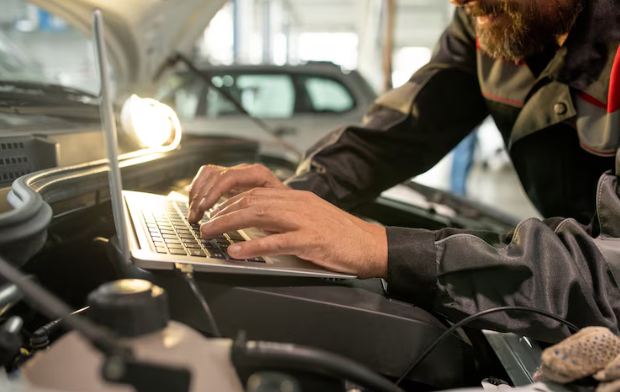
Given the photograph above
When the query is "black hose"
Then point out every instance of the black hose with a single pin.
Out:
(306, 359)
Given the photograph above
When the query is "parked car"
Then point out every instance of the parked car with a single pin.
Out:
(300, 103)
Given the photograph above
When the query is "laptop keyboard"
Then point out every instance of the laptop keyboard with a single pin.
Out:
(171, 233)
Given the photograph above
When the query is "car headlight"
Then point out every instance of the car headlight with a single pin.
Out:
(151, 123)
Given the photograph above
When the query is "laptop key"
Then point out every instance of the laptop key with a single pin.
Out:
(159, 244)
(169, 232)
(257, 260)
(162, 250)
(197, 253)
(217, 255)
(192, 246)
(178, 252)
(171, 241)
(174, 246)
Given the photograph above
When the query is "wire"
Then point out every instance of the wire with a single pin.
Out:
(187, 272)
(474, 317)
(40, 338)
(260, 123)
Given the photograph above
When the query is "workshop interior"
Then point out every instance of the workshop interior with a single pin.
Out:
(487, 165)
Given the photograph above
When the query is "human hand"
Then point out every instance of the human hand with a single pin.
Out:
(212, 182)
(302, 224)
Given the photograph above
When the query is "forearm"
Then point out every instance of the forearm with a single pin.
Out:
(553, 265)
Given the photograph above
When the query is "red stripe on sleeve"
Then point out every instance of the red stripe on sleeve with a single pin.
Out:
(613, 104)
(591, 100)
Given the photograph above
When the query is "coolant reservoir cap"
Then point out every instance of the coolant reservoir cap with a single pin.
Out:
(130, 307)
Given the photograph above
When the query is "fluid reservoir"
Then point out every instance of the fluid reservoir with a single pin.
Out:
(137, 311)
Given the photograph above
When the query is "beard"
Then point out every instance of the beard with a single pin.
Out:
(513, 30)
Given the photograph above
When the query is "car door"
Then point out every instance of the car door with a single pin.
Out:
(328, 103)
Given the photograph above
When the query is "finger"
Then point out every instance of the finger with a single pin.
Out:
(279, 206)
(218, 186)
(200, 178)
(249, 198)
(207, 182)
(273, 245)
(259, 217)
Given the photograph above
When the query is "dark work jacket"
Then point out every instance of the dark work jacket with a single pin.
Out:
(561, 142)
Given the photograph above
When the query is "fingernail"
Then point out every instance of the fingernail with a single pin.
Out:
(234, 249)
(192, 215)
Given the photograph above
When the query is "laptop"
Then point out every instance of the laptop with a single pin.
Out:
(153, 231)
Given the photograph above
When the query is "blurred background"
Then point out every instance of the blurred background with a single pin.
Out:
(337, 55)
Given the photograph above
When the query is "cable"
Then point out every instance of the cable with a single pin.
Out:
(187, 272)
(250, 354)
(40, 338)
(474, 317)
(207, 79)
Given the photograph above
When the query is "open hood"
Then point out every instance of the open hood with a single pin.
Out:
(140, 34)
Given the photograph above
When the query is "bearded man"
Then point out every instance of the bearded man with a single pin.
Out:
(548, 73)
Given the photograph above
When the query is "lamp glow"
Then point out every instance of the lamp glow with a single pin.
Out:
(152, 123)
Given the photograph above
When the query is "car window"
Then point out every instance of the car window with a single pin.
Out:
(328, 95)
(263, 96)
(183, 94)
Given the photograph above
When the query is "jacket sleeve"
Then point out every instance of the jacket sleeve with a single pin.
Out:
(405, 132)
(556, 265)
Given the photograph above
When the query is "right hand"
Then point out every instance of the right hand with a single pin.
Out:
(212, 182)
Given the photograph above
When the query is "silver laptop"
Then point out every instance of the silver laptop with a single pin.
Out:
(153, 231)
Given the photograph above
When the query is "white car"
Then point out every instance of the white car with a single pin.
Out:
(299, 103)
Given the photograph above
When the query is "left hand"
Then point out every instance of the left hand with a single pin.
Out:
(302, 224)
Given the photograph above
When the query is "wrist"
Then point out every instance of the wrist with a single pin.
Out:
(379, 252)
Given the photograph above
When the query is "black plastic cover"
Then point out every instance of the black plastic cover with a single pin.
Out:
(130, 307)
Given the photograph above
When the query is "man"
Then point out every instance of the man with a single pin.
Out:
(541, 69)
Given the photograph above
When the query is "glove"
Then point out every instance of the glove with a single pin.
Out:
(587, 352)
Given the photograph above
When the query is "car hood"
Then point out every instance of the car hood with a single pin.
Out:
(140, 34)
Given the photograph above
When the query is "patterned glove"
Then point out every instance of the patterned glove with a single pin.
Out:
(583, 354)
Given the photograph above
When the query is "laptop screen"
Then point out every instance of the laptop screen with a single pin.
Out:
(110, 134)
